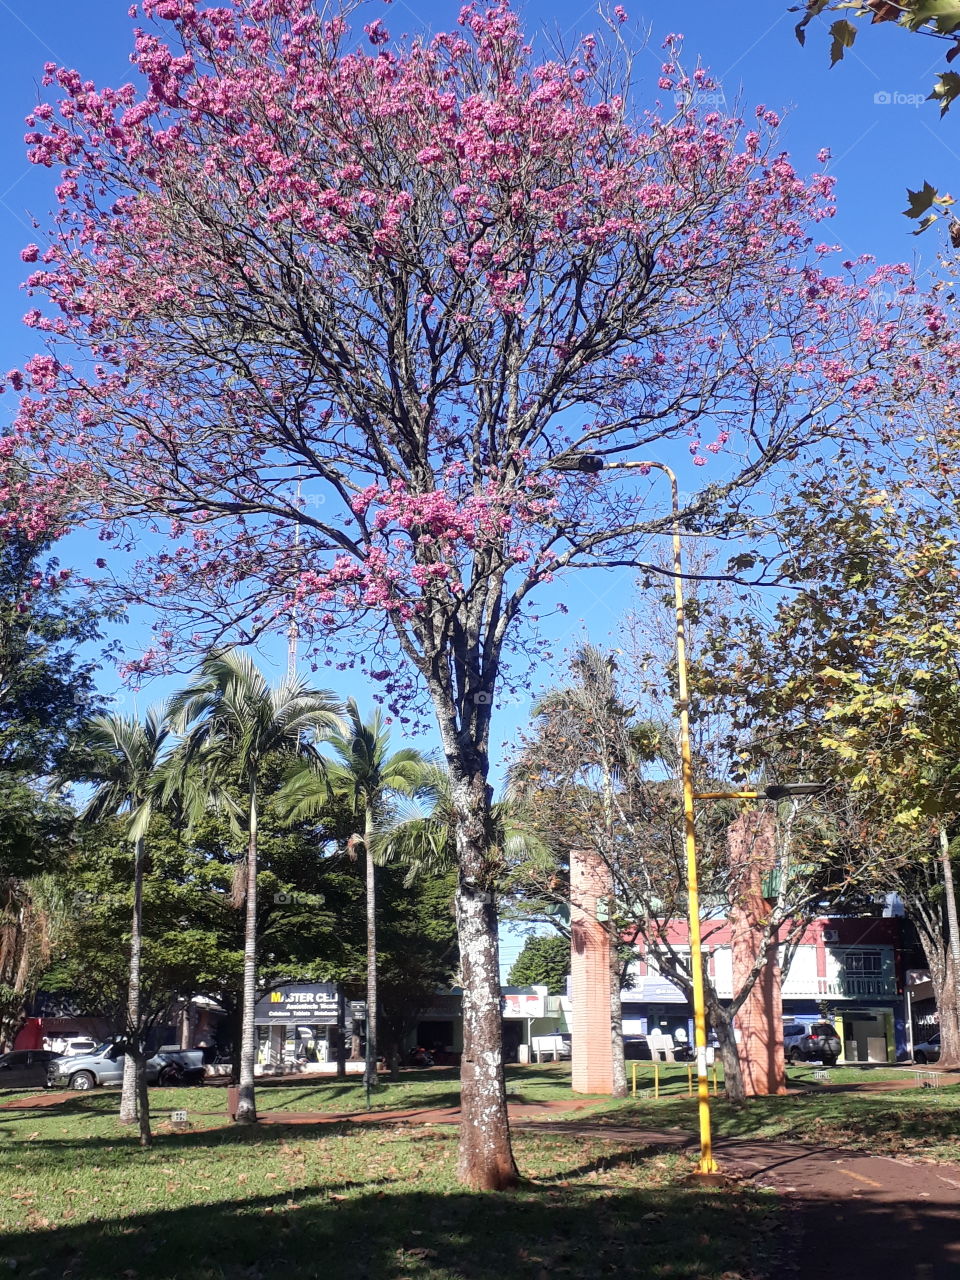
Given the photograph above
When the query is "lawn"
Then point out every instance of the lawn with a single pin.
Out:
(78, 1198)
(916, 1123)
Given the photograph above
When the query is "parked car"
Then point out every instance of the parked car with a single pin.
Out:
(25, 1068)
(73, 1046)
(818, 1043)
(927, 1050)
(168, 1066)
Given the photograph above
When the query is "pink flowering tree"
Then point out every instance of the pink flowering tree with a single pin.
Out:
(421, 278)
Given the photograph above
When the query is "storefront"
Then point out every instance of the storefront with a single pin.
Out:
(298, 1027)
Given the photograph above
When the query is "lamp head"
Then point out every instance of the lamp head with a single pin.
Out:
(790, 790)
(587, 463)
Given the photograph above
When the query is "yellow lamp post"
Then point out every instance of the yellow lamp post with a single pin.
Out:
(591, 464)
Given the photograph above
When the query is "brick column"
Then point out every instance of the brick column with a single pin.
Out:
(752, 853)
(590, 1030)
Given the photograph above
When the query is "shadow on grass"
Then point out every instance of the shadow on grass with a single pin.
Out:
(877, 1121)
(386, 1235)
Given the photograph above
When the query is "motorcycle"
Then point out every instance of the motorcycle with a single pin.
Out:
(419, 1057)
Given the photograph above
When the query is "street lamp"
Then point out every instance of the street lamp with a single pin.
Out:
(591, 464)
(777, 791)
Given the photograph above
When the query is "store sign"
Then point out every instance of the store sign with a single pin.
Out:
(525, 1004)
(313, 1005)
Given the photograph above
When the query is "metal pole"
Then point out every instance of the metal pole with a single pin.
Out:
(706, 1164)
(590, 464)
(367, 1059)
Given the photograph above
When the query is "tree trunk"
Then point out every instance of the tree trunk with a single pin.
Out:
(143, 1099)
(246, 1102)
(485, 1160)
(370, 1070)
(616, 1018)
(128, 1094)
(722, 1022)
(948, 1003)
(393, 1058)
(128, 1090)
(943, 978)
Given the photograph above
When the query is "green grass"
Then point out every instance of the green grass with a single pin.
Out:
(378, 1201)
(921, 1124)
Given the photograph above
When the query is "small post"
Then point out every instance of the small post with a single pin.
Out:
(689, 1080)
(714, 1079)
(656, 1080)
(341, 1032)
(633, 1073)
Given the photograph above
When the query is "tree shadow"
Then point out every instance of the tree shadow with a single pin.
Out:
(386, 1235)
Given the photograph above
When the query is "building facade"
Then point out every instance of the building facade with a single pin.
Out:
(850, 971)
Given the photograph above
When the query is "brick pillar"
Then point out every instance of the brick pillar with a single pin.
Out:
(590, 1030)
(752, 853)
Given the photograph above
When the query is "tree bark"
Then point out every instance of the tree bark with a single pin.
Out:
(246, 1102)
(950, 899)
(143, 1099)
(128, 1090)
(943, 978)
(486, 1159)
(722, 1022)
(129, 1098)
(616, 1018)
(370, 1070)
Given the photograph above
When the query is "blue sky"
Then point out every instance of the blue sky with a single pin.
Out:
(869, 111)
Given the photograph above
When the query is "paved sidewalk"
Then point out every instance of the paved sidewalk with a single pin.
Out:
(860, 1215)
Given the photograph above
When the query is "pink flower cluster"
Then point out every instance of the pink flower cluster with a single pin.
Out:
(276, 252)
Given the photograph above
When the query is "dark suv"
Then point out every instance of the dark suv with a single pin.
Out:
(819, 1043)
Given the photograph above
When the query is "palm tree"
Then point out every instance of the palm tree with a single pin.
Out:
(235, 722)
(367, 777)
(420, 834)
(131, 752)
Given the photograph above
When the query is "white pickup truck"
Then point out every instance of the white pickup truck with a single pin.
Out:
(168, 1066)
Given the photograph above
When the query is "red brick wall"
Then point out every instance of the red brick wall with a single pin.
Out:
(750, 842)
(592, 1064)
